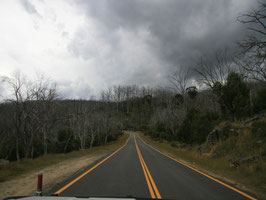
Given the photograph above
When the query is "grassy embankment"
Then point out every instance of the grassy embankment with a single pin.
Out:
(14, 169)
(215, 160)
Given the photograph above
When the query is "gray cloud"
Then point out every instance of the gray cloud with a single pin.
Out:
(74, 89)
(182, 29)
(180, 32)
(101, 43)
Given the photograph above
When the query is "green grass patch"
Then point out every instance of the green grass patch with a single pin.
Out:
(15, 169)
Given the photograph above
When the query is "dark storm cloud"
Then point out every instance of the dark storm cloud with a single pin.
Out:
(182, 30)
(100, 43)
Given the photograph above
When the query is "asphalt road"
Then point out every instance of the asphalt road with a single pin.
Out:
(138, 170)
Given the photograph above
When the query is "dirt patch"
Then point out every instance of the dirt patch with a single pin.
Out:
(26, 184)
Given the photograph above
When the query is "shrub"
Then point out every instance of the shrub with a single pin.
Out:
(260, 100)
(259, 130)
(159, 132)
(235, 96)
(173, 144)
(65, 141)
(196, 126)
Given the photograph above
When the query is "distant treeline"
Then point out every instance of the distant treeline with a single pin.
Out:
(30, 128)
(36, 122)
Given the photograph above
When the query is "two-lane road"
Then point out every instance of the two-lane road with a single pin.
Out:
(138, 170)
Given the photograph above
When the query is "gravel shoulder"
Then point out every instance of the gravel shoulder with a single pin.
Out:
(53, 175)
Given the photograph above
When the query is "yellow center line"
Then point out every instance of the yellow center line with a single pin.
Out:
(85, 173)
(206, 175)
(151, 179)
(146, 175)
(147, 178)
(150, 182)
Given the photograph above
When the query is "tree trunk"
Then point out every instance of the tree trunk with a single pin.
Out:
(32, 151)
(81, 143)
(84, 143)
(92, 140)
(2, 140)
(17, 150)
(45, 146)
(10, 151)
(27, 153)
(29, 147)
(68, 140)
(251, 102)
(105, 139)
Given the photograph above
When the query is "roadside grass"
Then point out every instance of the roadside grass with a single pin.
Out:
(14, 169)
(250, 178)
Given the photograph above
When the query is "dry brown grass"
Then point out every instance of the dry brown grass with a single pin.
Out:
(250, 178)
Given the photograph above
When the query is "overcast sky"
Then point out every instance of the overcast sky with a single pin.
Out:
(88, 45)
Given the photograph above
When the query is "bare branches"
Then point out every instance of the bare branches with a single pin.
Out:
(254, 45)
(216, 70)
(252, 69)
(179, 80)
(32, 117)
(255, 17)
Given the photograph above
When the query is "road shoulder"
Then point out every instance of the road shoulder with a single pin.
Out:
(167, 149)
(55, 174)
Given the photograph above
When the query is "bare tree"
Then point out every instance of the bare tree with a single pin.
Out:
(251, 68)
(93, 120)
(179, 80)
(17, 83)
(47, 114)
(215, 70)
(254, 45)
(32, 111)
(81, 130)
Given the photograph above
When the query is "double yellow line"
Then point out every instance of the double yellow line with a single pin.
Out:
(151, 185)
